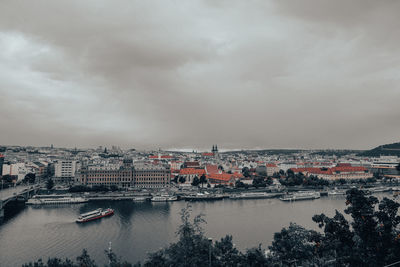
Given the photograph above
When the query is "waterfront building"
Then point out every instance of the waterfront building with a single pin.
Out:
(272, 168)
(18, 170)
(141, 175)
(1, 164)
(108, 174)
(341, 171)
(64, 170)
(151, 176)
(190, 173)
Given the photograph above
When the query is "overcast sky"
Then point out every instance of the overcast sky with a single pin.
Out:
(189, 74)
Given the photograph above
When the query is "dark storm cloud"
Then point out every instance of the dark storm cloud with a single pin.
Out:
(311, 74)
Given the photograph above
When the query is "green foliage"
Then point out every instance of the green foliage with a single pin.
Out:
(30, 178)
(293, 179)
(203, 179)
(50, 184)
(294, 244)
(259, 182)
(196, 181)
(182, 179)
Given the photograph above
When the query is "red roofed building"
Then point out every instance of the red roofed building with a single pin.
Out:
(191, 164)
(159, 157)
(341, 171)
(207, 154)
(190, 173)
(212, 169)
(221, 178)
(272, 168)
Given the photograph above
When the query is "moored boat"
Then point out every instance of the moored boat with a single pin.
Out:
(379, 189)
(336, 192)
(203, 197)
(307, 195)
(55, 200)
(140, 198)
(164, 198)
(94, 215)
(254, 195)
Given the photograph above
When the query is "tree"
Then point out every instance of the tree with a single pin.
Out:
(203, 179)
(50, 184)
(196, 181)
(84, 260)
(246, 172)
(182, 179)
(175, 180)
(30, 178)
(294, 244)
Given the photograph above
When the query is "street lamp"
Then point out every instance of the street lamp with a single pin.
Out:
(209, 251)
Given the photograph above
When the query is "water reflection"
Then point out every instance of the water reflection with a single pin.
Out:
(137, 228)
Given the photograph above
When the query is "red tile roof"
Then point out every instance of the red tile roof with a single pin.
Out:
(207, 154)
(188, 171)
(271, 165)
(212, 169)
(222, 177)
(330, 171)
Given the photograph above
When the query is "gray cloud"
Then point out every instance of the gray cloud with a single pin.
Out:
(149, 74)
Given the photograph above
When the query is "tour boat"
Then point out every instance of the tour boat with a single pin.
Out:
(164, 198)
(140, 198)
(301, 196)
(94, 215)
(254, 195)
(204, 197)
(55, 200)
(336, 192)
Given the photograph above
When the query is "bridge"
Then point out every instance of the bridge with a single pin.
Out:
(21, 192)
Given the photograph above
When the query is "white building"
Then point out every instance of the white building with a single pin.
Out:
(16, 169)
(64, 170)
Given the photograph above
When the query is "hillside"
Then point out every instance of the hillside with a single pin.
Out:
(383, 150)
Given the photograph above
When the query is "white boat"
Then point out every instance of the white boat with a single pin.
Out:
(396, 188)
(94, 215)
(52, 200)
(254, 195)
(379, 189)
(140, 199)
(306, 195)
(164, 198)
(336, 192)
(172, 198)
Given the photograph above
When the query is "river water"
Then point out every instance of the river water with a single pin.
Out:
(139, 228)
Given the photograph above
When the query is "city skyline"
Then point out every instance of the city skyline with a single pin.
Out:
(169, 75)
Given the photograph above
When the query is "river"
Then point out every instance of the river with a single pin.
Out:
(139, 228)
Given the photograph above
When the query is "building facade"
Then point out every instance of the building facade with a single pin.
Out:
(126, 175)
(151, 176)
(64, 170)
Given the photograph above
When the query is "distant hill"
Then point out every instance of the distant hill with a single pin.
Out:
(383, 150)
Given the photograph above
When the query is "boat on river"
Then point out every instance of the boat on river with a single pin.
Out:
(164, 198)
(254, 195)
(94, 215)
(55, 200)
(140, 198)
(379, 189)
(336, 192)
(305, 195)
(203, 197)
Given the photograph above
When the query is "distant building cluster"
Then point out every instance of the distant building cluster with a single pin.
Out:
(159, 169)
